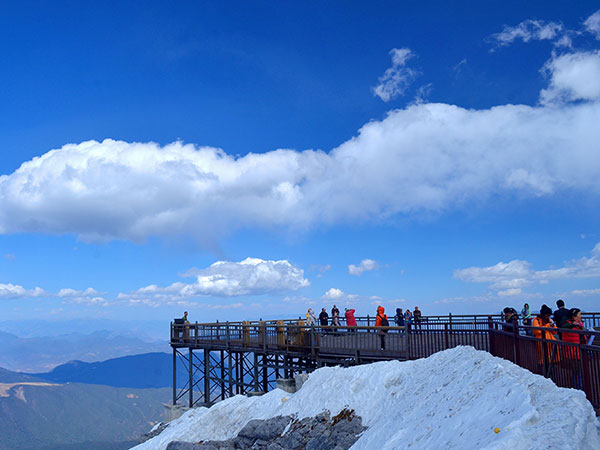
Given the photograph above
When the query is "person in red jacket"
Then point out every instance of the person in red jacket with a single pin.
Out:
(382, 321)
(573, 322)
(572, 356)
(350, 320)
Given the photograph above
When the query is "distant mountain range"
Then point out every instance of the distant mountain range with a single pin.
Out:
(150, 370)
(40, 354)
(38, 415)
(104, 405)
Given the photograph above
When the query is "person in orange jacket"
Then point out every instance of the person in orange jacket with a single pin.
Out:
(382, 321)
(543, 320)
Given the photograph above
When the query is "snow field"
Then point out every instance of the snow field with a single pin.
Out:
(453, 400)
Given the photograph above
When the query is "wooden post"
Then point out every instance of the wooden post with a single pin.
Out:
(245, 333)
(280, 334)
(261, 335)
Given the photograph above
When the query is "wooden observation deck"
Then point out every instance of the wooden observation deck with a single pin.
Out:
(223, 359)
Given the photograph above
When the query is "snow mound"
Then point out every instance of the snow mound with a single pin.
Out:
(454, 399)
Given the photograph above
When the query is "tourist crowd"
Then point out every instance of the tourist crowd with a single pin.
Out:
(401, 319)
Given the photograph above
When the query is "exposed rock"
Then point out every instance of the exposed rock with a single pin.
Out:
(153, 432)
(287, 433)
(286, 384)
(300, 379)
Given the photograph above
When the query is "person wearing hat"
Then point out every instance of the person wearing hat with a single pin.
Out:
(544, 320)
(510, 319)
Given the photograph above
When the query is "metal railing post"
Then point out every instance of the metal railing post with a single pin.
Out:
(585, 368)
(206, 377)
(516, 343)
(191, 379)
(407, 338)
(356, 342)
(174, 376)
(491, 336)
(446, 335)
(227, 331)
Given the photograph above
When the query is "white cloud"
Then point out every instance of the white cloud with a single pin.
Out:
(68, 292)
(573, 76)
(397, 78)
(334, 294)
(592, 24)
(15, 291)
(510, 277)
(251, 276)
(585, 292)
(68, 295)
(510, 292)
(88, 296)
(534, 30)
(425, 158)
(9, 256)
(365, 265)
(322, 269)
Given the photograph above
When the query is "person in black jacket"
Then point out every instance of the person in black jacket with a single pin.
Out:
(511, 318)
(561, 314)
(324, 318)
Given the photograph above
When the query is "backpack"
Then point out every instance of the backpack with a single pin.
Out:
(384, 321)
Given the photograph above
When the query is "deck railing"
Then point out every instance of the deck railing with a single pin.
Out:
(570, 365)
(590, 320)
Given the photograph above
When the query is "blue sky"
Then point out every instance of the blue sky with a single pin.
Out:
(440, 154)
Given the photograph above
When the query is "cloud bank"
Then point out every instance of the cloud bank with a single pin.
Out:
(429, 157)
(509, 278)
(251, 276)
(15, 291)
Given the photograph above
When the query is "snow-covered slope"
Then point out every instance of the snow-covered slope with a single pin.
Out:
(453, 399)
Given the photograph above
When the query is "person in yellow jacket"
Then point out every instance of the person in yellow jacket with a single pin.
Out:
(544, 320)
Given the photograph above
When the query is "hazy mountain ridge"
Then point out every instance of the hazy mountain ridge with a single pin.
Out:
(40, 354)
(149, 370)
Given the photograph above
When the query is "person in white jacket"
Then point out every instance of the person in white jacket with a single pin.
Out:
(311, 319)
